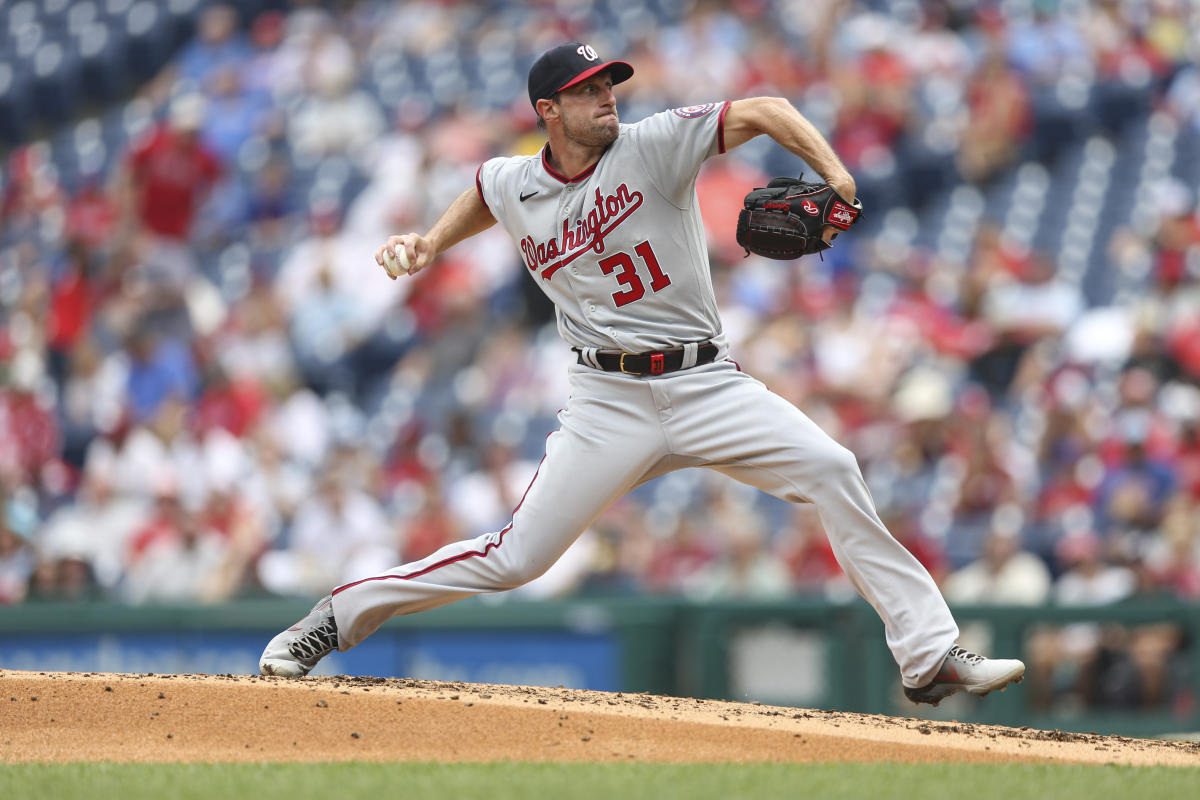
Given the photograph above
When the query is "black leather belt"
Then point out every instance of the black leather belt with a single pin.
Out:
(652, 363)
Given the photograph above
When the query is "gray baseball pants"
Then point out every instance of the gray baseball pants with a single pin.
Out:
(619, 431)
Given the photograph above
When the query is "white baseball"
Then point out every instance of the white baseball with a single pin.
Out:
(396, 266)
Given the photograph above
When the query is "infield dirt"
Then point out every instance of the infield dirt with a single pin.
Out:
(65, 717)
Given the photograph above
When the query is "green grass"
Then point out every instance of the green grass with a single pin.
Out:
(509, 781)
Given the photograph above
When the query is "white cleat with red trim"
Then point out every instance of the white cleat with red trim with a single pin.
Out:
(965, 670)
(294, 652)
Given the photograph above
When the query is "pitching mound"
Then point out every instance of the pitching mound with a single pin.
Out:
(61, 717)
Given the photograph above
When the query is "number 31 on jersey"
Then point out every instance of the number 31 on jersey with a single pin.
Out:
(628, 277)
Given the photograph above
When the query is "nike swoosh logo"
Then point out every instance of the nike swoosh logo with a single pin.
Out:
(525, 197)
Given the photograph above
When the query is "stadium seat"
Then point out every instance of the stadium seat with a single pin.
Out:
(80, 15)
(146, 48)
(15, 105)
(104, 77)
(55, 83)
(180, 22)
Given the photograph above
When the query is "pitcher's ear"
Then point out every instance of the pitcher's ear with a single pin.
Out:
(547, 109)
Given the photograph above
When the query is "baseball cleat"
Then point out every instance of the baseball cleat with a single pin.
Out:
(294, 652)
(965, 670)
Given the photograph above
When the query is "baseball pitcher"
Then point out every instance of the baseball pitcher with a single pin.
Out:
(607, 223)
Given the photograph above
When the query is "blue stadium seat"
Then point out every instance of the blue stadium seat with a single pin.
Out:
(16, 106)
(180, 22)
(146, 48)
(112, 130)
(55, 82)
(387, 78)
(1187, 158)
(62, 154)
(104, 76)
(22, 14)
(80, 15)
(54, 15)
(999, 195)
(1062, 116)
(1065, 178)
(116, 9)
(1116, 104)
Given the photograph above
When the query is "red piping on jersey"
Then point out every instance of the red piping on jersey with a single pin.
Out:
(721, 127)
(558, 176)
(479, 187)
(453, 559)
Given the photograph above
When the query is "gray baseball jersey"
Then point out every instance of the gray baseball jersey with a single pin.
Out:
(620, 248)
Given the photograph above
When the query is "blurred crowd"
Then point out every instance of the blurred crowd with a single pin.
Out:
(210, 390)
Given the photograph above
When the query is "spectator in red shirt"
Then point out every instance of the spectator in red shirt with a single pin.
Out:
(72, 301)
(167, 178)
(806, 551)
(998, 118)
(171, 172)
(233, 403)
(92, 215)
(29, 436)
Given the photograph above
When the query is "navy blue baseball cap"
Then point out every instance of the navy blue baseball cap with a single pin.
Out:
(566, 65)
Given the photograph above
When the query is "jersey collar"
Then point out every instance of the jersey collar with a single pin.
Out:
(558, 176)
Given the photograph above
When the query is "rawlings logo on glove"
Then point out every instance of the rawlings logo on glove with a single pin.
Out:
(786, 218)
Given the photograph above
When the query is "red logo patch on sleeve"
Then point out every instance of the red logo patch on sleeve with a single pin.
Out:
(691, 112)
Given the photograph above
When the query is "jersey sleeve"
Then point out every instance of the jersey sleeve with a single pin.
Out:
(487, 180)
(674, 143)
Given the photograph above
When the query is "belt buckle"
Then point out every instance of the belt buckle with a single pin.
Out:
(621, 364)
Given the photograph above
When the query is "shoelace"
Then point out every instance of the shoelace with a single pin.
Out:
(958, 653)
(315, 643)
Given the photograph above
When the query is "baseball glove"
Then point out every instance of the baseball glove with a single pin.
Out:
(785, 219)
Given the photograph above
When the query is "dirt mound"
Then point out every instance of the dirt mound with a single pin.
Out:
(106, 717)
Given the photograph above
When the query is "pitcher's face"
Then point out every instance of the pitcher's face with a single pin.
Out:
(589, 112)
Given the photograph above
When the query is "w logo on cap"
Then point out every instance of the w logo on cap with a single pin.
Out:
(587, 52)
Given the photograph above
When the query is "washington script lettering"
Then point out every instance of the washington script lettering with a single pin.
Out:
(608, 212)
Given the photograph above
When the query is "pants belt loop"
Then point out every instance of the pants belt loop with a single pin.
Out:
(588, 354)
(689, 355)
